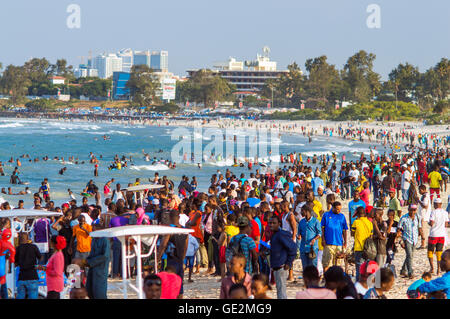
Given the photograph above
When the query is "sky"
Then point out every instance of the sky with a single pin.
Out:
(197, 33)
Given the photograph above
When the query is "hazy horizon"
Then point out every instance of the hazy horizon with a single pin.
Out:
(199, 33)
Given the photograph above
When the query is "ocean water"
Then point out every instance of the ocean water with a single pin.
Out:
(39, 138)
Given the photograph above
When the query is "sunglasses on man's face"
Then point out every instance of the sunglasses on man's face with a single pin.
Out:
(152, 282)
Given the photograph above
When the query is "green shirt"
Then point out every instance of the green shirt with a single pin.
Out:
(394, 204)
(324, 177)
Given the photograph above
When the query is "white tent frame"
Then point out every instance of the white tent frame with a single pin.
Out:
(23, 215)
(141, 190)
(140, 233)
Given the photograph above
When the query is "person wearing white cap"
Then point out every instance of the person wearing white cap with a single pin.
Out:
(321, 197)
(438, 233)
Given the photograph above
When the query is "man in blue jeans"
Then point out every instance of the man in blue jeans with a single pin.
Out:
(309, 232)
(409, 227)
(27, 257)
(282, 254)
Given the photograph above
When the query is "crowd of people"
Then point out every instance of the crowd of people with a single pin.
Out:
(249, 230)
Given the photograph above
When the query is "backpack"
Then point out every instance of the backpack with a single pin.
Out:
(234, 249)
(283, 195)
(370, 249)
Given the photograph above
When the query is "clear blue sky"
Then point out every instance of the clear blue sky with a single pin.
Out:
(198, 33)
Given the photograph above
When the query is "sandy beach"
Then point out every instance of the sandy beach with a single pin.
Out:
(208, 287)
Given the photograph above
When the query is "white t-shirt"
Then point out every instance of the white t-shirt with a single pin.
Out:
(425, 212)
(406, 176)
(269, 197)
(440, 217)
(360, 289)
(183, 219)
(119, 195)
(251, 180)
(87, 218)
(354, 173)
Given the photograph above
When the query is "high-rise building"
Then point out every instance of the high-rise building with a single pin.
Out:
(84, 71)
(120, 90)
(249, 77)
(127, 59)
(141, 58)
(159, 61)
(107, 64)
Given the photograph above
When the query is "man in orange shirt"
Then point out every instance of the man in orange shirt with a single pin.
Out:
(81, 233)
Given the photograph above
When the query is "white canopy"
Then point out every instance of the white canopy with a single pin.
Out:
(28, 213)
(22, 215)
(141, 234)
(139, 230)
(143, 187)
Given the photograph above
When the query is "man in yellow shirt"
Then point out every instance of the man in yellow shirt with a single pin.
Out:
(436, 183)
(362, 229)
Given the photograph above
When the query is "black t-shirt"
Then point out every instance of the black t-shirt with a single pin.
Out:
(179, 241)
(391, 238)
(163, 216)
(27, 256)
(66, 231)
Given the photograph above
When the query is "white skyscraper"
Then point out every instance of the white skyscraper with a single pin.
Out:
(141, 58)
(127, 59)
(107, 64)
(159, 61)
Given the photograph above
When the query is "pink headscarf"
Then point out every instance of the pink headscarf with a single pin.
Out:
(141, 216)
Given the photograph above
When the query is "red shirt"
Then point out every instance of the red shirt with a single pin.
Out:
(365, 196)
(170, 285)
(55, 272)
(255, 232)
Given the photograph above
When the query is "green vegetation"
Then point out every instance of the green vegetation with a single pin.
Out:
(170, 108)
(42, 105)
(205, 87)
(143, 86)
(323, 85)
(384, 111)
(407, 94)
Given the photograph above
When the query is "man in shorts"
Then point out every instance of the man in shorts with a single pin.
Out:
(334, 235)
(438, 221)
(436, 182)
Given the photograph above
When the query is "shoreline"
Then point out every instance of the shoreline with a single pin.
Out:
(281, 126)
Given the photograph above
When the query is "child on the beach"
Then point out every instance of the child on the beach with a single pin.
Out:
(412, 291)
(190, 255)
(260, 286)
(386, 279)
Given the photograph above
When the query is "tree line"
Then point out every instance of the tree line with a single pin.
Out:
(357, 82)
(33, 78)
(319, 87)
